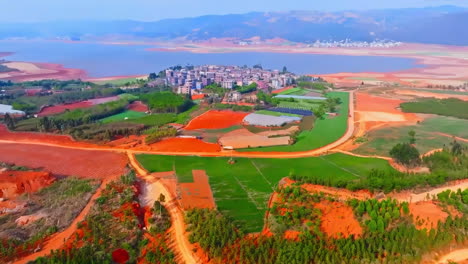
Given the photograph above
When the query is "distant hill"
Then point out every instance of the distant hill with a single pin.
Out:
(438, 25)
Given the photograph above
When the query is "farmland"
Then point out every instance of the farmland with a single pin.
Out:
(446, 107)
(432, 133)
(242, 189)
(123, 116)
(325, 130)
(272, 113)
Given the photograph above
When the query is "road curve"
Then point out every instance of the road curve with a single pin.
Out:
(300, 154)
(182, 245)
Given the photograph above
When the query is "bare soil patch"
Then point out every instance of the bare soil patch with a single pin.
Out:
(214, 119)
(338, 220)
(428, 214)
(138, 106)
(184, 145)
(65, 161)
(15, 183)
(242, 138)
(197, 194)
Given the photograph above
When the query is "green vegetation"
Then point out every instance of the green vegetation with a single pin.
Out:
(325, 130)
(159, 134)
(432, 133)
(154, 119)
(119, 82)
(458, 199)
(446, 107)
(113, 224)
(312, 85)
(295, 91)
(166, 102)
(405, 154)
(299, 103)
(443, 91)
(233, 107)
(242, 190)
(61, 202)
(389, 236)
(127, 115)
(212, 230)
(247, 89)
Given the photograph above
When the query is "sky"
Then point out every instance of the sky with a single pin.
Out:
(153, 10)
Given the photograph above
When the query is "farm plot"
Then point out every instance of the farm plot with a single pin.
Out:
(216, 120)
(64, 161)
(300, 104)
(122, 116)
(273, 113)
(324, 132)
(432, 133)
(242, 189)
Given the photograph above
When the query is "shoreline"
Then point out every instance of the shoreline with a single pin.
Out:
(440, 65)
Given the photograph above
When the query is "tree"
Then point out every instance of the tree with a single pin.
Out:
(162, 199)
(9, 121)
(152, 76)
(457, 148)
(405, 154)
(412, 135)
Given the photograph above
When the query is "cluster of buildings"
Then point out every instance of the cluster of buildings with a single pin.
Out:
(347, 43)
(192, 78)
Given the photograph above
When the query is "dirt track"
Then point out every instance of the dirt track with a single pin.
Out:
(457, 255)
(301, 154)
(182, 245)
(57, 240)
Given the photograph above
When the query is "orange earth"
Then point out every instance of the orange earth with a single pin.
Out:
(14, 183)
(215, 119)
(198, 96)
(184, 145)
(282, 90)
(65, 161)
(138, 106)
(56, 109)
(427, 214)
(197, 194)
(338, 220)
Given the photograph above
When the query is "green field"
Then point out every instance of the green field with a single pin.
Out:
(442, 91)
(300, 104)
(122, 116)
(272, 113)
(427, 137)
(242, 189)
(295, 91)
(446, 107)
(118, 81)
(325, 131)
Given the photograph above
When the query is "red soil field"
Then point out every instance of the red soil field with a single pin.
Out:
(64, 161)
(366, 102)
(138, 106)
(14, 183)
(197, 194)
(57, 109)
(5, 134)
(214, 119)
(198, 96)
(185, 145)
(427, 214)
(282, 90)
(338, 220)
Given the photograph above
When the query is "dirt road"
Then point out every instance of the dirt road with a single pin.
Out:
(455, 256)
(57, 240)
(301, 154)
(182, 245)
(413, 197)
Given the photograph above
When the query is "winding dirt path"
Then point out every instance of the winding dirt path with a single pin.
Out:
(56, 241)
(182, 246)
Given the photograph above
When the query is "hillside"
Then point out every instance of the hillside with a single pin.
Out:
(437, 25)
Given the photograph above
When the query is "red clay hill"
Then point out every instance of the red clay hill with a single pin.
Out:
(15, 183)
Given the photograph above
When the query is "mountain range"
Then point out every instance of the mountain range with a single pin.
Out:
(435, 25)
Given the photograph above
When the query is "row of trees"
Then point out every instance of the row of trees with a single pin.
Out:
(159, 134)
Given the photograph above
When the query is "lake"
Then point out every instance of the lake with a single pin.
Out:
(101, 60)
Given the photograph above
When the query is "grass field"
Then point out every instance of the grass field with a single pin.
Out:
(123, 116)
(442, 91)
(272, 113)
(300, 104)
(117, 82)
(446, 107)
(295, 91)
(325, 131)
(242, 189)
(427, 137)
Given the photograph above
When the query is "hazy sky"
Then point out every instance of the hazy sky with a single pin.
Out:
(150, 10)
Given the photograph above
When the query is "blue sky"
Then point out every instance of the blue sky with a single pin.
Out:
(151, 10)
